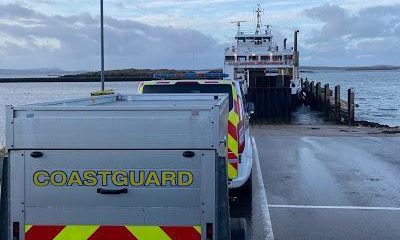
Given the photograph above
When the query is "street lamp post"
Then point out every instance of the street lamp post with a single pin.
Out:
(102, 45)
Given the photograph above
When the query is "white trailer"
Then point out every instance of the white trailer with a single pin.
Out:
(117, 167)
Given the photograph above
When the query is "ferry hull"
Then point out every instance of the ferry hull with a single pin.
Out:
(272, 96)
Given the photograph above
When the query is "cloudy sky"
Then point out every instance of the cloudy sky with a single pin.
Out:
(182, 33)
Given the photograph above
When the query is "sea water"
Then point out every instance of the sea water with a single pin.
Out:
(377, 93)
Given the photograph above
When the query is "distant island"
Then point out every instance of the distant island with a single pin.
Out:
(123, 75)
(132, 74)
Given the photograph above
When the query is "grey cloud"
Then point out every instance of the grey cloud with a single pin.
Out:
(37, 40)
(372, 32)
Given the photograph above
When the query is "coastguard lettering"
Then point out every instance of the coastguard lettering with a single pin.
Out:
(41, 178)
(117, 178)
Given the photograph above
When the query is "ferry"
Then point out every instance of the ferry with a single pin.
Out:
(265, 69)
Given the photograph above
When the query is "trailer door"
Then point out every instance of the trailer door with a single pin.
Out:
(117, 194)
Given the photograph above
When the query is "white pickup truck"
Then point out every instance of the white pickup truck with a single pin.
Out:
(117, 167)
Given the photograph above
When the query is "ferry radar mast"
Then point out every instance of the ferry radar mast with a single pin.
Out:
(238, 23)
(259, 12)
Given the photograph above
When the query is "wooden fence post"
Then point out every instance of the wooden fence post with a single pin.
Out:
(326, 100)
(312, 99)
(338, 114)
(312, 89)
(318, 94)
(351, 107)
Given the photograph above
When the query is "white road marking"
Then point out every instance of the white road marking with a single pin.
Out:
(336, 207)
(262, 196)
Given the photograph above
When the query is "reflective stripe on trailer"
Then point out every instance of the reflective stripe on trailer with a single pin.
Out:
(97, 232)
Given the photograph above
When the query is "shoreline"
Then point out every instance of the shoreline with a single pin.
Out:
(386, 128)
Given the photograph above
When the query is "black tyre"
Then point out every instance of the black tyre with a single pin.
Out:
(241, 200)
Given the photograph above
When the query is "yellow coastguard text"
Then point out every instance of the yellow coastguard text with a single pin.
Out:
(118, 178)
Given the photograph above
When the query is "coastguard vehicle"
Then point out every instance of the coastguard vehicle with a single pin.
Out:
(147, 167)
(239, 143)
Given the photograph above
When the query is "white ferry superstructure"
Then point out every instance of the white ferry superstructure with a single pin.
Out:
(256, 60)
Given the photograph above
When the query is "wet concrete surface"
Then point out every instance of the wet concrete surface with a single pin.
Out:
(307, 168)
(258, 225)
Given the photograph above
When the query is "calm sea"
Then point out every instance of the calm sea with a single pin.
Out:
(377, 93)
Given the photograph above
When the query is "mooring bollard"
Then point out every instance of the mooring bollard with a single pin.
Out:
(338, 114)
(351, 107)
(326, 100)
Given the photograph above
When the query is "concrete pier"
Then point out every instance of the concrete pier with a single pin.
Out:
(330, 181)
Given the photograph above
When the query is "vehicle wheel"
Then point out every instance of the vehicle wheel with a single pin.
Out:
(241, 200)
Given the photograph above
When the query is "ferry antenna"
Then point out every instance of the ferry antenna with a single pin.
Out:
(238, 23)
(259, 12)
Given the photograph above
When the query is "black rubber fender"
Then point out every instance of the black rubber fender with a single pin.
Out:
(4, 204)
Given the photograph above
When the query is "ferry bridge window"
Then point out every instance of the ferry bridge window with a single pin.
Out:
(230, 58)
(253, 58)
(242, 58)
(189, 87)
(265, 58)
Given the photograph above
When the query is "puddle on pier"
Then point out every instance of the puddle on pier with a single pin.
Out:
(303, 115)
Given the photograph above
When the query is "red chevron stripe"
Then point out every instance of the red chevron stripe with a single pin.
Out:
(111, 233)
(232, 130)
(234, 165)
(182, 233)
(231, 155)
(43, 232)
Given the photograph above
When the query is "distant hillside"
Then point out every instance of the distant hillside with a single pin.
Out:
(136, 73)
(124, 75)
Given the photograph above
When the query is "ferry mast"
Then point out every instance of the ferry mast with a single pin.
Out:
(259, 11)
